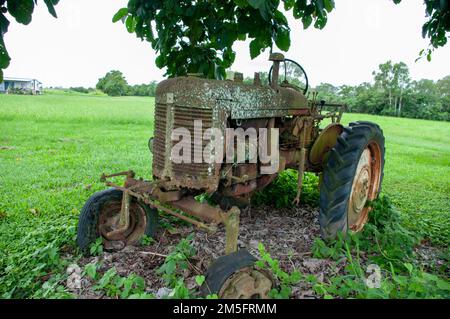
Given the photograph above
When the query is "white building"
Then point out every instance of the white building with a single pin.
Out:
(9, 85)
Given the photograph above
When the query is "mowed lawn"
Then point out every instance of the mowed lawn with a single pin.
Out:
(53, 149)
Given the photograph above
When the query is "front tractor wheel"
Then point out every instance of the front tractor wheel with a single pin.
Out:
(352, 177)
(235, 276)
(100, 217)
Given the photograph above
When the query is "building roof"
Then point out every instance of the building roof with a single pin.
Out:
(19, 79)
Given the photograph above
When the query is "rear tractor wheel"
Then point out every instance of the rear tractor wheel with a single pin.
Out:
(352, 178)
(100, 217)
(234, 276)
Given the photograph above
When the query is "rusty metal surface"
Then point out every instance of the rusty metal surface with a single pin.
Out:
(113, 232)
(124, 218)
(238, 99)
(325, 142)
(181, 100)
(365, 187)
(231, 221)
(148, 192)
(203, 211)
(249, 283)
(223, 104)
(190, 175)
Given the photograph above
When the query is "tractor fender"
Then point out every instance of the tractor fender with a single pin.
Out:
(324, 143)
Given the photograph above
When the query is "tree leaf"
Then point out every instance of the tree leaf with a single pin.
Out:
(4, 24)
(307, 20)
(4, 56)
(329, 5)
(255, 48)
(130, 24)
(21, 10)
(51, 7)
(120, 14)
(256, 3)
(282, 40)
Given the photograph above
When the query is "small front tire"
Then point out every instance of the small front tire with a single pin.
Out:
(235, 276)
(100, 215)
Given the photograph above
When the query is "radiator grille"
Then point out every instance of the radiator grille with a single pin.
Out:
(182, 117)
(159, 140)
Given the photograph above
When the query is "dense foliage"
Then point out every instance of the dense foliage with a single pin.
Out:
(198, 36)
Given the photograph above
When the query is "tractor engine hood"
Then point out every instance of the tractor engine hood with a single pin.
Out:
(239, 100)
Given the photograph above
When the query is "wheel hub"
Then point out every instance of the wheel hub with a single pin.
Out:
(109, 221)
(364, 188)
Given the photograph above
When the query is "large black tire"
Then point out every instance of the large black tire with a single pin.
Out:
(339, 176)
(88, 223)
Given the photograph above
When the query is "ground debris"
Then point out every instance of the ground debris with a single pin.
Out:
(7, 148)
(287, 234)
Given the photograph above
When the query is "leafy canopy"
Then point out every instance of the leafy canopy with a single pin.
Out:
(196, 36)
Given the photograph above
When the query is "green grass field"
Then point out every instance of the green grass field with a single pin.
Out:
(53, 149)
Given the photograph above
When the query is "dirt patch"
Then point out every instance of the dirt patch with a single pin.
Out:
(287, 234)
(433, 259)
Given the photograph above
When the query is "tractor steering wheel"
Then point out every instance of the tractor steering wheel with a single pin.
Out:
(295, 76)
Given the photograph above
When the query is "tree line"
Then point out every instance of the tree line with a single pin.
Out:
(393, 93)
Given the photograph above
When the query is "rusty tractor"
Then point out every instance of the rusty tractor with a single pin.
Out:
(349, 162)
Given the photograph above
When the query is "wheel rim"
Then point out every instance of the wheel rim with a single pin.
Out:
(366, 184)
(247, 283)
(109, 221)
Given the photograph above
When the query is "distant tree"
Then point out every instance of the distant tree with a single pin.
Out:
(402, 81)
(393, 93)
(113, 84)
(368, 99)
(328, 92)
(80, 89)
(423, 100)
(263, 76)
(142, 89)
(443, 87)
(394, 80)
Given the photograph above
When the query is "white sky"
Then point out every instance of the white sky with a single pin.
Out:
(83, 44)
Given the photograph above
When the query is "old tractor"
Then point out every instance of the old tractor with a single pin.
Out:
(349, 161)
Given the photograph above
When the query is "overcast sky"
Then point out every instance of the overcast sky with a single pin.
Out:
(83, 44)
